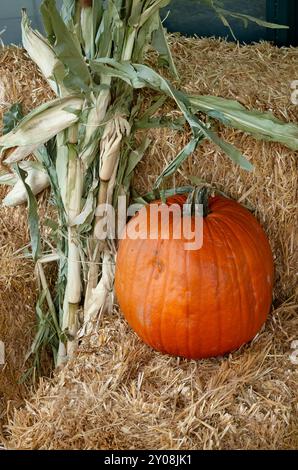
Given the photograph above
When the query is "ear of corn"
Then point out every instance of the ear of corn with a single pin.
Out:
(40, 126)
(43, 55)
(37, 179)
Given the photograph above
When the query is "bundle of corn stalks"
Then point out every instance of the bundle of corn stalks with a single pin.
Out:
(84, 145)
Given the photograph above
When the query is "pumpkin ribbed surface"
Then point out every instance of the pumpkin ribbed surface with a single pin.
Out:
(204, 302)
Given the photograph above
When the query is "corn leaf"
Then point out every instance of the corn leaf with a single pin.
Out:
(135, 157)
(160, 43)
(139, 76)
(68, 12)
(110, 28)
(32, 214)
(222, 13)
(198, 127)
(153, 7)
(44, 157)
(160, 122)
(178, 160)
(156, 105)
(66, 48)
(144, 37)
(262, 125)
(160, 194)
(12, 117)
(246, 18)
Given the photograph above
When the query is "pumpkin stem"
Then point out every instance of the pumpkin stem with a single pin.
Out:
(199, 195)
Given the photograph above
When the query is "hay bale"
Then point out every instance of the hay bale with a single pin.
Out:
(19, 82)
(117, 392)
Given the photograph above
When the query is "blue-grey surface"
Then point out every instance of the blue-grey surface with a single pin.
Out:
(190, 17)
(185, 16)
(10, 17)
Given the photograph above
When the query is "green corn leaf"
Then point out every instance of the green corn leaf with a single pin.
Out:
(232, 152)
(69, 11)
(12, 117)
(110, 28)
(160, 122)
(246, 18)
(146, 121)
(52, 224)
(32, 215)
(178, 160)
(153, 7)
(154, 80)
(151, 110)
(262, 125)
(114, 69)
(44, 156)
(160, 43)
(218, 7)
(160, 194)
(90, 19)
(135, 157)
(47, 333)
(144, 37)
(139, 76)
(66, 48)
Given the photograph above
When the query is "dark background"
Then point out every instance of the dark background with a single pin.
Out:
(190, 18)
(187, 17)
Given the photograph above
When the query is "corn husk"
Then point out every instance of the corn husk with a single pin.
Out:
(73, 208)
(8, 179)
(37, 180)
(43, 55)
(101, 297)
(90, 146)
(110, 145)
(16, 154)
(39, 126)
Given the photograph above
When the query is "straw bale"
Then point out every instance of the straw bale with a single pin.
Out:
(19, 83)
(117, 392)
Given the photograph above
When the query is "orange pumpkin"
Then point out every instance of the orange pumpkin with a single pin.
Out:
(198, 303)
